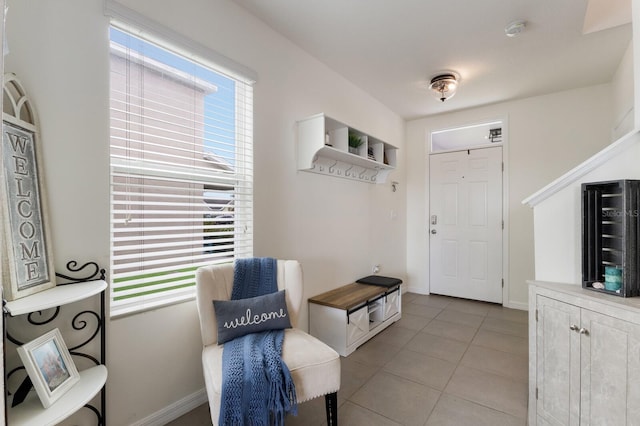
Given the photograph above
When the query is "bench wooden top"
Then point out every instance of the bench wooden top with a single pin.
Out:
(348, 296)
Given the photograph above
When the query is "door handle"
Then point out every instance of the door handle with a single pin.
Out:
(433, 231)
(580, 330)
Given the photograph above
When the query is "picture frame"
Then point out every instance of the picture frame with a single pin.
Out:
(28, 266)
(49, 366)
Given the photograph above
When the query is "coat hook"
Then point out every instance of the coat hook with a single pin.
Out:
(346, 172)
(394, 186)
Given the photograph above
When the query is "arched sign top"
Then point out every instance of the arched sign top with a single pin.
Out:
(16, 105)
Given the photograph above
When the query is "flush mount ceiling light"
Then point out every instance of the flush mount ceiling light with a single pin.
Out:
(515, 28)
(444, 85)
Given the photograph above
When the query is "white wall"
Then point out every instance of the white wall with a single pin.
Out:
(337, 228)
(622, 91)
(558, 219)
(547, 135)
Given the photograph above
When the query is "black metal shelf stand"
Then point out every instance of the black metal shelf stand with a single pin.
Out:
(611, 235)
(80, 322)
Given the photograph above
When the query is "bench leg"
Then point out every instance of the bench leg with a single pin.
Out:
(331, 401)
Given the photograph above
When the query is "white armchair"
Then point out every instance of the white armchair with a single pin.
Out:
(314, 366)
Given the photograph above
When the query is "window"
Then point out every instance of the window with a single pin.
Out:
(181, 171)
(465, 137)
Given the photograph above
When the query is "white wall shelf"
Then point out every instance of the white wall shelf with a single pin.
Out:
(323, 147)
(31, 412)
(56, 296)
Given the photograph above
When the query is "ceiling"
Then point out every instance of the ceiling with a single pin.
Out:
(392, 48)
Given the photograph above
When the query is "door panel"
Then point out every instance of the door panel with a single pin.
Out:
(466, 238)
(357, 325)
(450, 259)
(477, 265)
(610, 371)
(478, 210)
(450, 204)
(392, 304)
(558, 362)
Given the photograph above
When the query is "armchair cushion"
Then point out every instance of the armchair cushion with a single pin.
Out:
(314, 367)
(236, 318)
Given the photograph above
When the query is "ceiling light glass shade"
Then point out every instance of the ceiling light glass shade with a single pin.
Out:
(444, 86)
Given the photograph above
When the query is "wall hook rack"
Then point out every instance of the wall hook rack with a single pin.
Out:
(377, 158)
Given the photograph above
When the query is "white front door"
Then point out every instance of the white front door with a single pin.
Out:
(465, 224)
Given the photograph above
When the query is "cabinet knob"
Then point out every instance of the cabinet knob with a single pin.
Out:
(583, 331)
(574, 327)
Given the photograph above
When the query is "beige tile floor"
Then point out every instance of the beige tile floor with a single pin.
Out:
(446, 362)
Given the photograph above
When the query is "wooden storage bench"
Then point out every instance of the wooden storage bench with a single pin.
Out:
(348, 316)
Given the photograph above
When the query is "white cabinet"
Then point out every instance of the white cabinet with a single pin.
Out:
(348, 316)
(584, 357)
(323, 147)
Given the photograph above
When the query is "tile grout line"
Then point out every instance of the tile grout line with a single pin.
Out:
(452, 374)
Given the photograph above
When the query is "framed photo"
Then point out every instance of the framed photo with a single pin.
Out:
(49, 365)
(28, 264)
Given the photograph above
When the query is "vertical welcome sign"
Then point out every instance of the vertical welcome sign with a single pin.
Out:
(27, 263)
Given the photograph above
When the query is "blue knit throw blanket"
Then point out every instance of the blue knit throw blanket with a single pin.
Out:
(257, 388)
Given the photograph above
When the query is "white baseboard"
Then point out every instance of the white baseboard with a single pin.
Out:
(517, 305)
(416, 290)
(175, 410)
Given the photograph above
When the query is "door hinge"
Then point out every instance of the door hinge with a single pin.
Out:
(503, 166)
(536, 315)
(503, 283)
(536, 393)
(503, 224)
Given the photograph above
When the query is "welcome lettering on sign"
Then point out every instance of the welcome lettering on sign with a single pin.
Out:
(25, 219)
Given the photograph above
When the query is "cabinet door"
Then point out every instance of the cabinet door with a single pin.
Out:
(558, 362)
(392, 304)
(358, 324)
(610, 357)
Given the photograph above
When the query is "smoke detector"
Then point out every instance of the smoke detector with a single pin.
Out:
(515, 28)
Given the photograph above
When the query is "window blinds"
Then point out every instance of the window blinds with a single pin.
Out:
(181, 172)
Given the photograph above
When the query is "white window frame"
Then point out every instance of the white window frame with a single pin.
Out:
(241, 178)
